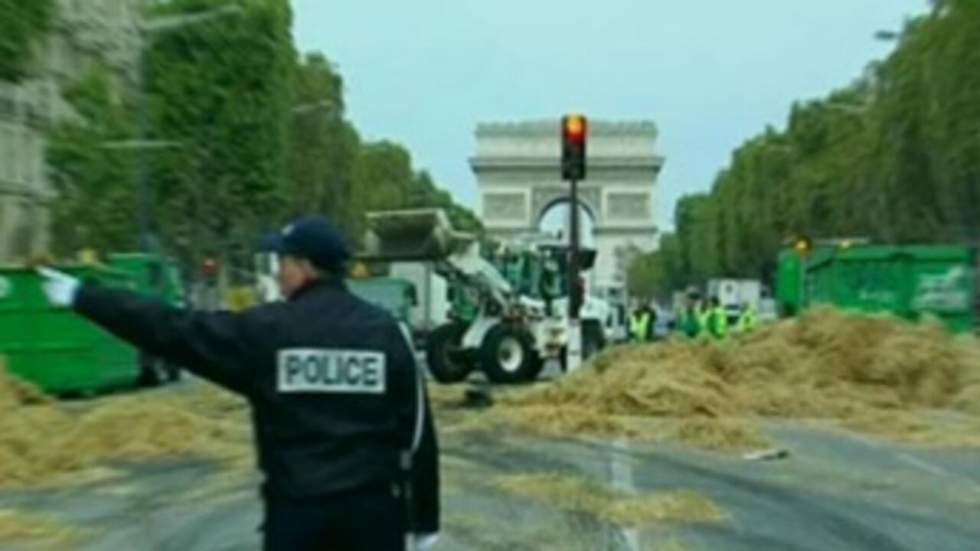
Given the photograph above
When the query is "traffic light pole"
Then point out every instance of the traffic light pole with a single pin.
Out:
(574, 351)
(574, 132)
(573, 236)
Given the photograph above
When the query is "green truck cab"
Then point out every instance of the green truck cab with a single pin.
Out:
(396, 295)
(157, 276)
(154, 275)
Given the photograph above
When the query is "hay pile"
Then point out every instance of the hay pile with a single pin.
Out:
(828, 364)
(42, 440)
(617, 507)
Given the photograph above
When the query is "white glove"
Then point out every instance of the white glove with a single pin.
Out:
(425, 541)
(59, 287)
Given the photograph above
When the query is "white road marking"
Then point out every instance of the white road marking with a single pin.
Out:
(622, 479)
(925, 466)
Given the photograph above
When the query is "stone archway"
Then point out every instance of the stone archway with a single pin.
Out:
(517, 171)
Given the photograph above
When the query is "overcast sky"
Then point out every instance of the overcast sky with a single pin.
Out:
(710, 73)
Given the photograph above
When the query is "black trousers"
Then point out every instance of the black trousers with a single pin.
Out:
(368, 520)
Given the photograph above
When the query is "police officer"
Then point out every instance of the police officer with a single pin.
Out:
(342, 423)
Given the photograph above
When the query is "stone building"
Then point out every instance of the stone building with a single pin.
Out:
(84, 33)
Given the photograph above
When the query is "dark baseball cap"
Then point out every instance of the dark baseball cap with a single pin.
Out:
(314, 238)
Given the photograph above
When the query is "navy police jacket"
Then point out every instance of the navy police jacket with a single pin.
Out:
(335, 393)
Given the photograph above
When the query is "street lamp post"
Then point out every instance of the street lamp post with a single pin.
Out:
(886, 35)
(309, 107)
(148, 242)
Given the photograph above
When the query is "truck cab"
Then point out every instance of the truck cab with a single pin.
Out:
(159, 277)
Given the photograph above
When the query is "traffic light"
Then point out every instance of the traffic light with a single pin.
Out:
(209, 268)
(574, 131)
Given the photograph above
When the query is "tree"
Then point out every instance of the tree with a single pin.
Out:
(96, 205)
(22, 27)
(261, 137)
(894, 156)
(323, 144)
(224, 92)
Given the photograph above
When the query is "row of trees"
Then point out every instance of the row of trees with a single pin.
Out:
(253, 135)
(894, 157)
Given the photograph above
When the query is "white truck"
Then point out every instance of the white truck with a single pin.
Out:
(733, 293)
(432, 309)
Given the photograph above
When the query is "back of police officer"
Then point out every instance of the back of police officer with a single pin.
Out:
(342, 425)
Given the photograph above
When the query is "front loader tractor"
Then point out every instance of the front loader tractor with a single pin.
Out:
(505, 319)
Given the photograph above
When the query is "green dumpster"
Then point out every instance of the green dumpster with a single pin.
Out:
(909, 281)
(789, 282)
(55, 348)
(153, 275)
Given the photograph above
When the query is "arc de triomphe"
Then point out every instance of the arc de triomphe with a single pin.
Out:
(517, 171)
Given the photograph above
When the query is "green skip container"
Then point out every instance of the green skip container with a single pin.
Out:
(54, 348)
(909, 281)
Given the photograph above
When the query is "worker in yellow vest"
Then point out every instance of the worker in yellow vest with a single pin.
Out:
(641, 324)
(716, 319)
(748, 319)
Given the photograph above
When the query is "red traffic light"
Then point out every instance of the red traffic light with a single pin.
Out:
(210, 266)
(575, 127)
(574, 131)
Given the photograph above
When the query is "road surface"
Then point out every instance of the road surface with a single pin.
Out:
(835, 491)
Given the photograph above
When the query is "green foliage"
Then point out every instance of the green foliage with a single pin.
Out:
(96, 199)
(262, 137)
(323, 145)
(223, 89)
(655, 275)
(22, 26)
(894, 157)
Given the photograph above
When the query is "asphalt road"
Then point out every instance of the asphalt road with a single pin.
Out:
(835, 491)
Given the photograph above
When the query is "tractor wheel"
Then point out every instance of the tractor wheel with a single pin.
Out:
(173, 372)
(536, 369)
(440, 346)
(152, 371)
(507, 355)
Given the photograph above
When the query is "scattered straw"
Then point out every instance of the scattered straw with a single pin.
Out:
(560, 420)
(717, 434)
(41, 440)
(621, 508)
(37, 532)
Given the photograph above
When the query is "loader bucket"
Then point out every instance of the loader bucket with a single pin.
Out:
(411, 235)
